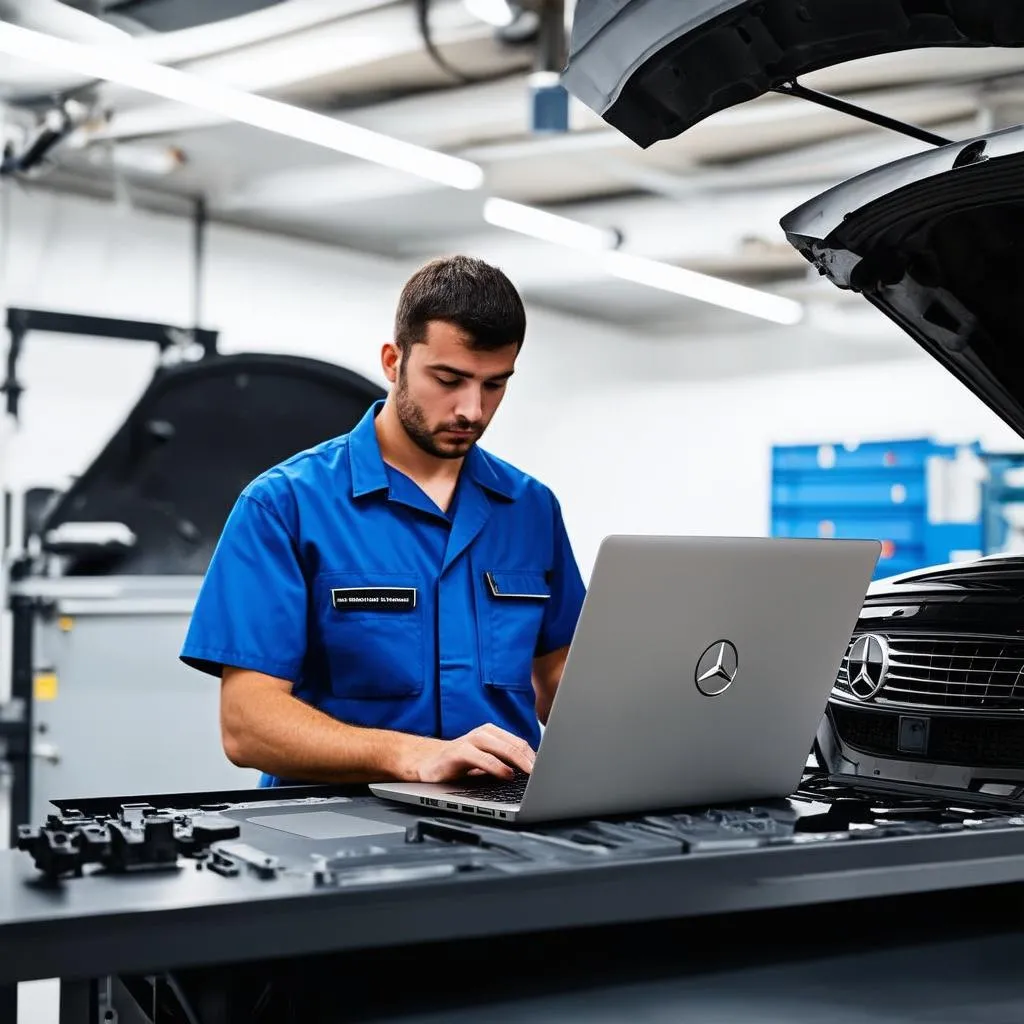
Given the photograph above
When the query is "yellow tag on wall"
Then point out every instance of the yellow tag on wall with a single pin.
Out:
(46, 686)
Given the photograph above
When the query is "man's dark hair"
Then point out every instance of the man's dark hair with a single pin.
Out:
(474, 296)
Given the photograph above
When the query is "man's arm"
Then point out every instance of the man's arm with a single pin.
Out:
(547, 674)
(263, 726)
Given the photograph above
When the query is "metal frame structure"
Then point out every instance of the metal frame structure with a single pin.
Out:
(16, 714)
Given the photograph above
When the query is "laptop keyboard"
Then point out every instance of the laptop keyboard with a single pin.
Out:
(508, 792)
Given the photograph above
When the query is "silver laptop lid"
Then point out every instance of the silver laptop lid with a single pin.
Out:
(698, 673)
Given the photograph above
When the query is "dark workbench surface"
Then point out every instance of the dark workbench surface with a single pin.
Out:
(109, 924)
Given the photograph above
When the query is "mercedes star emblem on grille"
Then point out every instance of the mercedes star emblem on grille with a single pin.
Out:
(868, 665)
(717, 668)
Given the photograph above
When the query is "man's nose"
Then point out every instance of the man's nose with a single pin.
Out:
(470, 405)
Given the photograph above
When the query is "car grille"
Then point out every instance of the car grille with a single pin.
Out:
(980, 743)
(943, 671)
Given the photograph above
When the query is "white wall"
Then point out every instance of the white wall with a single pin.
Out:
(88, 257)
(262, 293)
(635, 435)
(694, 457)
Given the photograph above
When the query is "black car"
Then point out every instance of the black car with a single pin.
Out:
(932, 687)
(931, 690)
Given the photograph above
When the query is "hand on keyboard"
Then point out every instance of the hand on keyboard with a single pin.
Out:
(505, 791)
(487, 750)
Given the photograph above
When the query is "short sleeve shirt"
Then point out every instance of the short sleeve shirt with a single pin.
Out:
(336, 572)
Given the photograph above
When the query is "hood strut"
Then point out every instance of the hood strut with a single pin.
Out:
(794, 88)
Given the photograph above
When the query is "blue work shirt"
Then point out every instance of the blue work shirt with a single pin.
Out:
(336, 572)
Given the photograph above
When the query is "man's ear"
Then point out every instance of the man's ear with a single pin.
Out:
(390, 358)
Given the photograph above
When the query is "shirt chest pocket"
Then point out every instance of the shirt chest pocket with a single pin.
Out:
(514, 604)
(371, 624)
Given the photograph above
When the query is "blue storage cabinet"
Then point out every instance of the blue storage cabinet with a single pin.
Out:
(877, 490)
(997, 495)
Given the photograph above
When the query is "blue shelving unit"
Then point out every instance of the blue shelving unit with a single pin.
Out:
(997, 493)
(878, 490)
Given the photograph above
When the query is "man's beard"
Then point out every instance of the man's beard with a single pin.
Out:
(410, 415)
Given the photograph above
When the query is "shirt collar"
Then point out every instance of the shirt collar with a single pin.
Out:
(369, 473)
(490, 473)
(365, 462)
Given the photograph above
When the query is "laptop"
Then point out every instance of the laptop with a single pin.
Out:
(698, 673)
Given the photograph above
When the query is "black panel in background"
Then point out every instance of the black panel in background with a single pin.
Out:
(196, 437)
(654, 68)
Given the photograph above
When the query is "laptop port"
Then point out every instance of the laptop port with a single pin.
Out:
(486, 810)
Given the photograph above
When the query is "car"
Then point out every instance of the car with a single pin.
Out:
(930, 694)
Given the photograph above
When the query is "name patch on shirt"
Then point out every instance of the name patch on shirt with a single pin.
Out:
(373, 599)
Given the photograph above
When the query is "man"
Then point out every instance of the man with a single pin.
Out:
(396, 603)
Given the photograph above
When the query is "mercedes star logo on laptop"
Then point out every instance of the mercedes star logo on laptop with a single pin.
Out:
(717, 668)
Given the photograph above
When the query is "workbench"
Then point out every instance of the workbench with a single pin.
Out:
(693, 912)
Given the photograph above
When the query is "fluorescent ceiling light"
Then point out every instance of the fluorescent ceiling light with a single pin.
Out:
(550, 227)
(528, 220)
(498, 13)
(704, 288)
(117, 65)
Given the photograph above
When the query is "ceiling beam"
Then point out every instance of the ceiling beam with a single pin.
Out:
(320, 187)
(247, 30)
(817, 163)
(536, 168)
(946, 65)
(283, 65)
(379, 33)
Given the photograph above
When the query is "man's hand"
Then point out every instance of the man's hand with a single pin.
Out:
(487, 750)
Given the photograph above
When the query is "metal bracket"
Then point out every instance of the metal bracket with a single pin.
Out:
(861, 113)
(106, 1012)
(16, 725)
(13, 730)
(163, 335)
(20, 322)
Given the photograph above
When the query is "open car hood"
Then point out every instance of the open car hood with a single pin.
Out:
(653, 68)
(933, 241)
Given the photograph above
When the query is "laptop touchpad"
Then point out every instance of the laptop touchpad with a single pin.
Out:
(325, 825)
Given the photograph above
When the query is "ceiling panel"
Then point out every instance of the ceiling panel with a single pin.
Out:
(708, 200)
